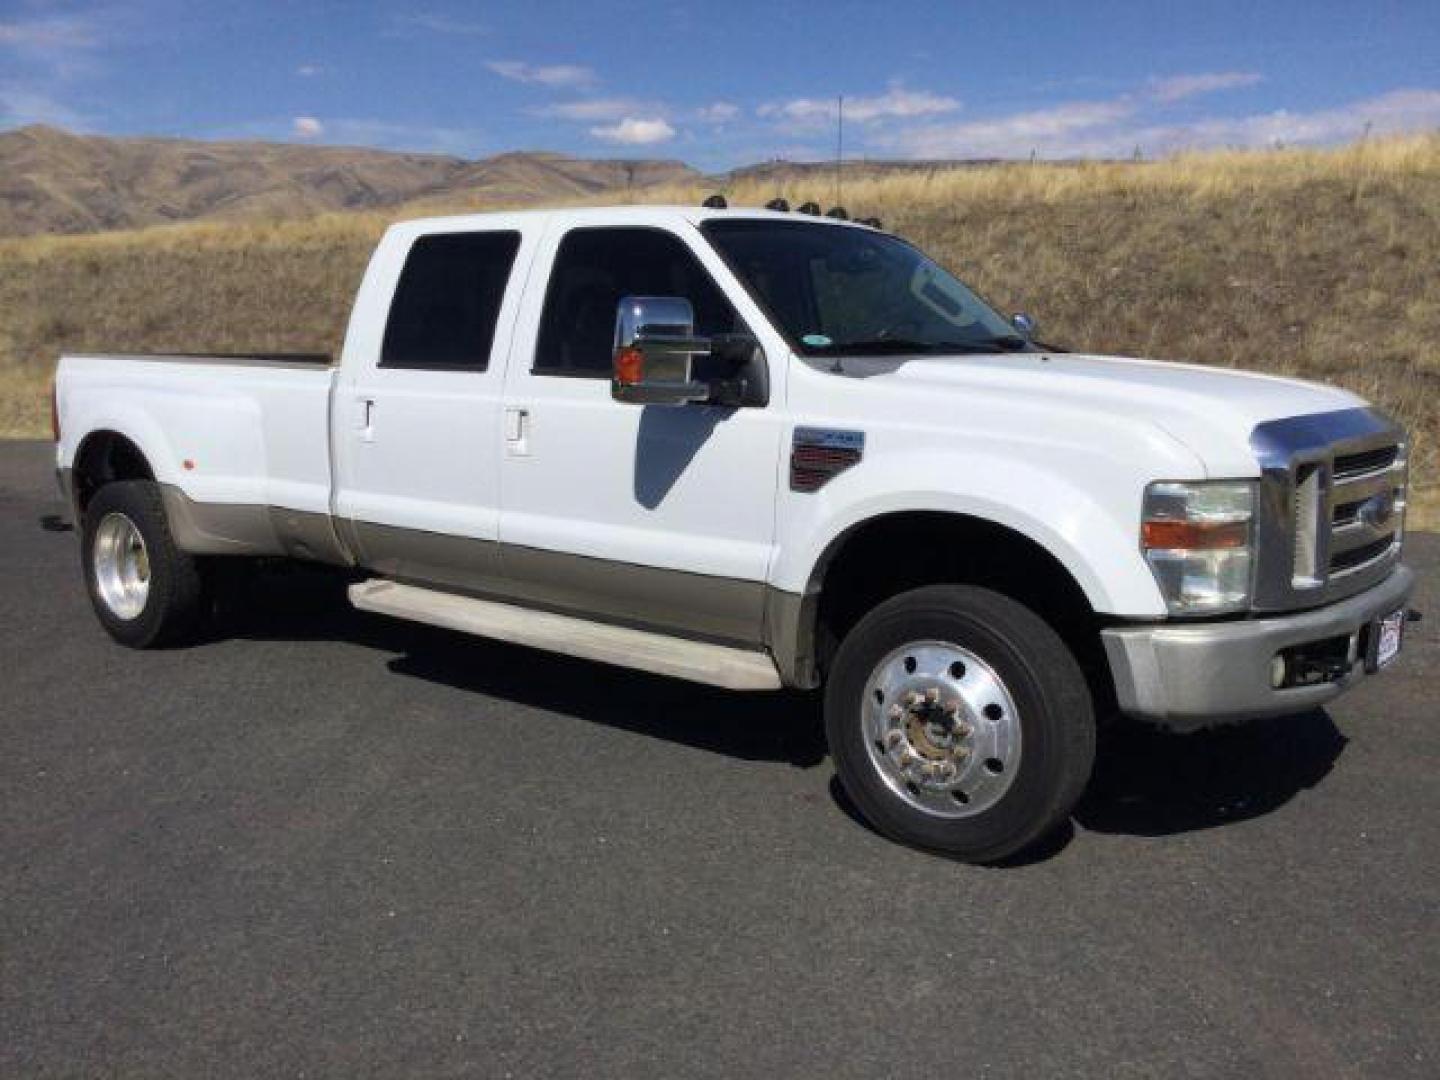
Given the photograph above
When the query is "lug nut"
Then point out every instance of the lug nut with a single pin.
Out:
(893, 739)
(896, 714)
(913, 698)
(932, 696)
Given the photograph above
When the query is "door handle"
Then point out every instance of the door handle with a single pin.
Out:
(517, 432)
(365, 419)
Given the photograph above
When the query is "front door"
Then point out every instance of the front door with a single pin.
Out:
(658, 516)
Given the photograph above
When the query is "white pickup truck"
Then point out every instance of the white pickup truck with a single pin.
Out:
(763, 449)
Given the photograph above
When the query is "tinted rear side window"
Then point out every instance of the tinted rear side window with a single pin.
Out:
(445, 307)
(594, 269)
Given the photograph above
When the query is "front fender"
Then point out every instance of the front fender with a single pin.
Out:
(1091, 531)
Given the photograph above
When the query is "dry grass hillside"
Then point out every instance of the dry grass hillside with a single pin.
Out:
(1314, 263)
(52, 181)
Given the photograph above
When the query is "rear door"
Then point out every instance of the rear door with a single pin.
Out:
(661, 516)
(417, 424)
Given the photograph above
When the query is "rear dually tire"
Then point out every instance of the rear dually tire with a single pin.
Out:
(146, 591)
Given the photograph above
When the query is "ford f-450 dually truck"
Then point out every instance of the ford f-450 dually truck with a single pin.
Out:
(762, 449)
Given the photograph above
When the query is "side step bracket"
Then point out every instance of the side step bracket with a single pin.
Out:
(698, 661)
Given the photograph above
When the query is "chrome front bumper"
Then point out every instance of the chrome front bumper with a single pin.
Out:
(1186, 676)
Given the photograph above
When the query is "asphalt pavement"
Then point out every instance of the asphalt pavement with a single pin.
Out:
(331, 844)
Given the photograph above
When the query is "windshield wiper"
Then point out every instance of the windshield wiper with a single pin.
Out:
(888, 346)
(875, 347)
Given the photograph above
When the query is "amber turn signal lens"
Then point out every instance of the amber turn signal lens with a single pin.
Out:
(1195, 535)
(629, 366)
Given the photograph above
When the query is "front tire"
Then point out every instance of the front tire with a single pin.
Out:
(146, 591)
(959, 722)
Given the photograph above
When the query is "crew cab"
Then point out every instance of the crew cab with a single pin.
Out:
(763, 449)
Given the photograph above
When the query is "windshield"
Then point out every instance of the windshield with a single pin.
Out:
(837, 291)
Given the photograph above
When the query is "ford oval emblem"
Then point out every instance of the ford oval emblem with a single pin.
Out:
(1376, 510)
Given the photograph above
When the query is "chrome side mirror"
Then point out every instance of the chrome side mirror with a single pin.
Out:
(1024, 324)
(655, 347)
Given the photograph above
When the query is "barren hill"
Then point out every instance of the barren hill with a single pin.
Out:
(55, 181)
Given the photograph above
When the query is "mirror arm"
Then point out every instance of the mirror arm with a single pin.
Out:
(731, 393)
(662, 392)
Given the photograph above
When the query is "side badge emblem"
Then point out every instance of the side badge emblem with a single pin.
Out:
(819, 454)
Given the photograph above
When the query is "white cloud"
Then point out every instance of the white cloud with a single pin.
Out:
(1116, 128)
(635, 132)
(307, 127)
(593, 109)
(543, 74)
(895, 103)
(309, 71)
(56, 49)
(1052, 132)
(41, 60)
(1389, 114)
(55, 32)
(440, 24)
(21, 105)
(1179, 87)
(720, 112)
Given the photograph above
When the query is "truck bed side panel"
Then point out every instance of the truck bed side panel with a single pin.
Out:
(240, 447)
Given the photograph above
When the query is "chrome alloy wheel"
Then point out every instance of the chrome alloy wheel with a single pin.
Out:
(941, 729)
(122, 566)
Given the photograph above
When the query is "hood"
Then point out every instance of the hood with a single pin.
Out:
(1212, 411)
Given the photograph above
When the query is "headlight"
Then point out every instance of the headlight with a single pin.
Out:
(1198, 538)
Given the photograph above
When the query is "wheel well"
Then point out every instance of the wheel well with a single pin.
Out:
(898, 552)
(103, 458)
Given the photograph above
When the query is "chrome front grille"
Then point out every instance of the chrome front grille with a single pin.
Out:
(1367, 509)
(1332, 506)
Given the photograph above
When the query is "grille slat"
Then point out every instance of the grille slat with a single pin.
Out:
(1359, 556)
(1348, 466)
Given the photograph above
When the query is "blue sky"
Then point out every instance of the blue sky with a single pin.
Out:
(730, 82)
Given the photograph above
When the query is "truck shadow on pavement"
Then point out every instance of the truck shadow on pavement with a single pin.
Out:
(301, 605)
(1155, 783)
(1146, 782)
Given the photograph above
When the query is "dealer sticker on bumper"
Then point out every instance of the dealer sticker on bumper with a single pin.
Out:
(1390, 629)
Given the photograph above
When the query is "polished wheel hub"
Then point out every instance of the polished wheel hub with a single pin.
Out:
(122, 566)
(941, 728)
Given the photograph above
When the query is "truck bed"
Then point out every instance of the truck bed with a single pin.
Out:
(239, 443)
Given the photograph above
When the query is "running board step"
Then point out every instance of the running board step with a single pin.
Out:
(698, 661)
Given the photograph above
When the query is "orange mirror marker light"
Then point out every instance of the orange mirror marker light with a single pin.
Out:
(629, 365)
